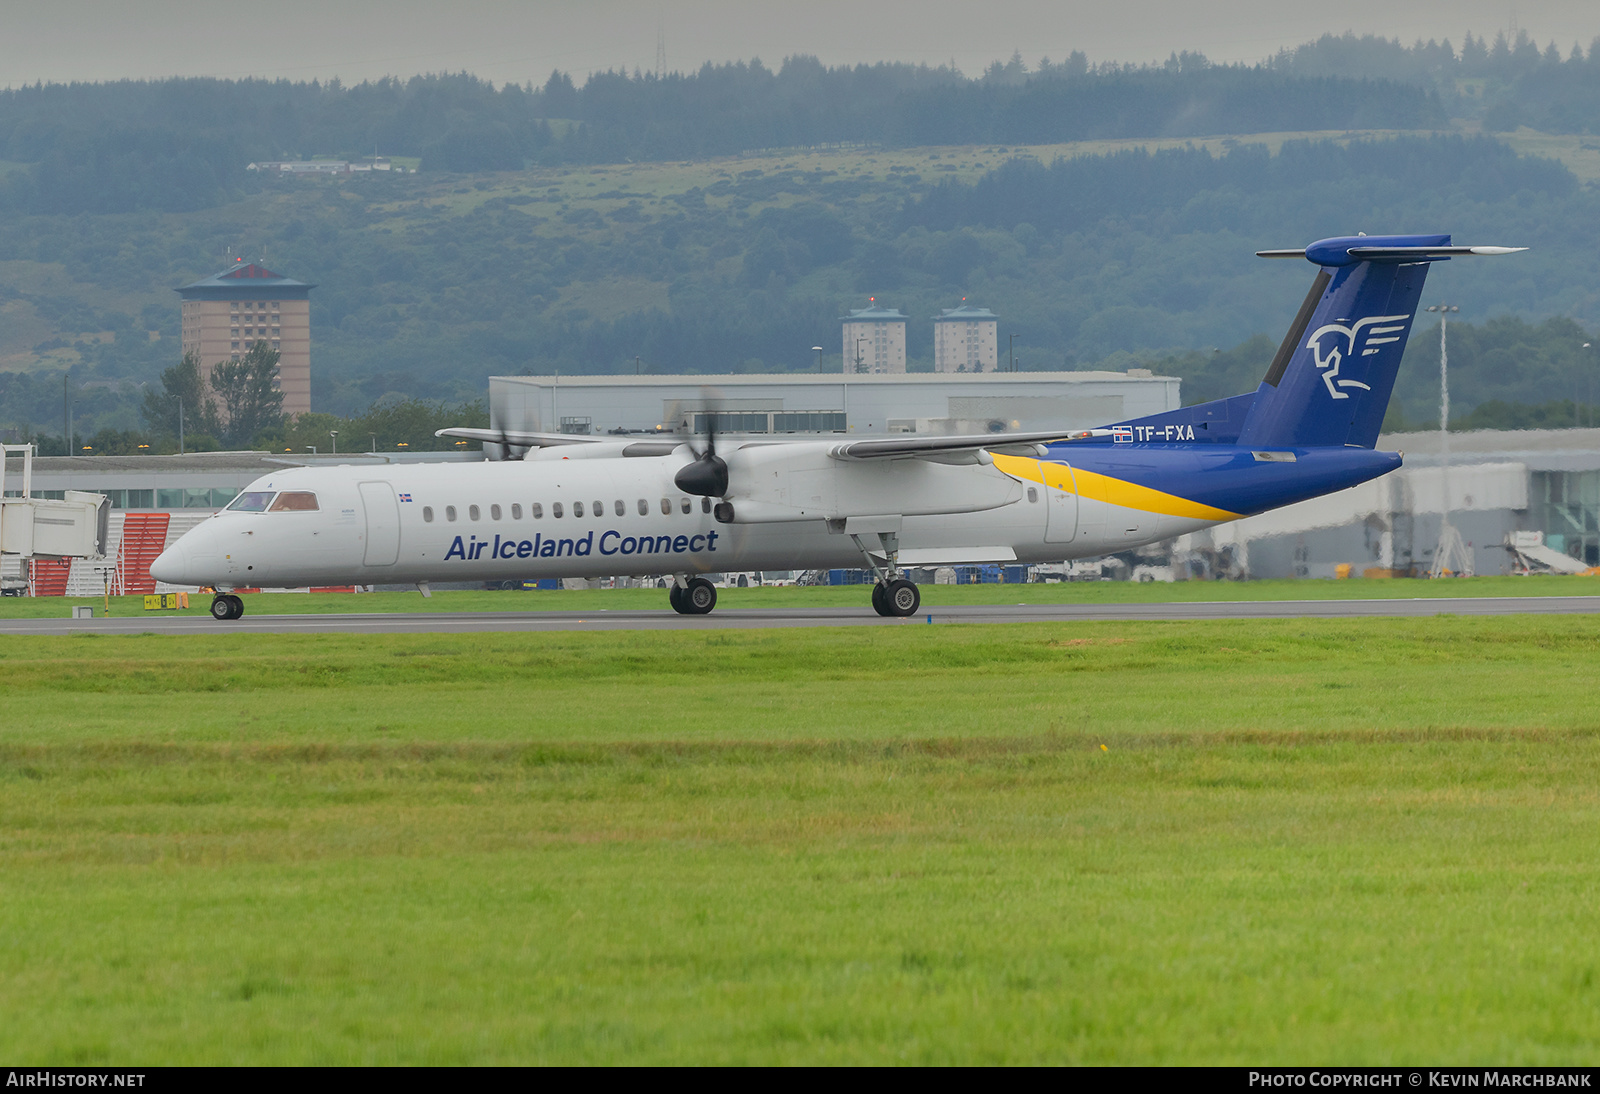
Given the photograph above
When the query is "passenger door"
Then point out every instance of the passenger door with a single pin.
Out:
(383, 524)
(1061, 502)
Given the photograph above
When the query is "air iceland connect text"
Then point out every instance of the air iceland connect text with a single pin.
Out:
(611, 543)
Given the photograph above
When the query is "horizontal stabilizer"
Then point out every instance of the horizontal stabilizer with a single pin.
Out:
(1428, 252)
(1348, 250)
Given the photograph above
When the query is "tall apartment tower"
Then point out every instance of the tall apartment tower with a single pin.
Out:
(227, 313)
(874, 340)
(966, 340)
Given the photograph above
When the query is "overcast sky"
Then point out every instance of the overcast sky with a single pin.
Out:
(518, 40)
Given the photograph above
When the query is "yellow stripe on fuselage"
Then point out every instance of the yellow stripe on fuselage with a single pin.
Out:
(1098, 487)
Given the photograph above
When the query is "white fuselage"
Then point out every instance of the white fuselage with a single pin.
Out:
(584, 517)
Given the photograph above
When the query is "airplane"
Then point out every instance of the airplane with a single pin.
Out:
(557, 506)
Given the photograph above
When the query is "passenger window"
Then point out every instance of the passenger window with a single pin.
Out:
(427, 514)
(516, 512)
(621, 508)
(555, 510)
(450, 512)
(599, 508)
(295, 501)
(705, 505)
(1033, 495)
(577, 509)
(666, 507)
(644, 508)
(474, 512)
(536, 511)
(494, 512)
(688, 506)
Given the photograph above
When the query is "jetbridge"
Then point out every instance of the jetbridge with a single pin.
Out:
(46, 530)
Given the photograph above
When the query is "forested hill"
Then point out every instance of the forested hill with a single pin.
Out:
(181, 145)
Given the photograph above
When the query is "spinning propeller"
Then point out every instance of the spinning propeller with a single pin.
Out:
(508, 451)
(707, 476)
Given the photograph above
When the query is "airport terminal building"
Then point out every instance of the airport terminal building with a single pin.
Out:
(1504, 486)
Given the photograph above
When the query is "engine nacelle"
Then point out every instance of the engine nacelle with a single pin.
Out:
(791, 482)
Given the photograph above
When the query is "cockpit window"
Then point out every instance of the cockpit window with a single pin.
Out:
(294, 501)
(251, 501)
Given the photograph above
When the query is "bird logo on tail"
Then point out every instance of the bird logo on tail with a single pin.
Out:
(1333, 344)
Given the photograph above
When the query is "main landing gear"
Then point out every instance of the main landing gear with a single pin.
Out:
(696, 596)
(893, 595)
(226, 606)
(896, 597)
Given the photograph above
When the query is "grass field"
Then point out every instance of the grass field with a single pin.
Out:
(933, 596)
(1287, 841)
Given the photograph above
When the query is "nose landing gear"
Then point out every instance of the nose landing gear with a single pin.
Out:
(226, 606)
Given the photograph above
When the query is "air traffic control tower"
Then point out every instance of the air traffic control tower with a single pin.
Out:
(227, 313)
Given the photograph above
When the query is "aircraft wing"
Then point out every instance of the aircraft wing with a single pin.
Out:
(517, 438)
(913, 445)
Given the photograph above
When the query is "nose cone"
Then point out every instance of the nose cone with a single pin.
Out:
(171, 565)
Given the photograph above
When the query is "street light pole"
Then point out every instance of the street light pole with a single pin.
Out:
(1450, 548)
(1589, 415)
(858, 355)
(180, 425)
(1011, 353)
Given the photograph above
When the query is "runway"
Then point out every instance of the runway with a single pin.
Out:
(198, 622)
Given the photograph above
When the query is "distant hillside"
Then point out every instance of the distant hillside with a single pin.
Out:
(182, 144)
(1505, 83)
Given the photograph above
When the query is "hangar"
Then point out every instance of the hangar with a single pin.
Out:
(828, 403)
(1539, 482)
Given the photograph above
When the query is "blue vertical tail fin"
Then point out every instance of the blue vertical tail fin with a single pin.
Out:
(1330, 383)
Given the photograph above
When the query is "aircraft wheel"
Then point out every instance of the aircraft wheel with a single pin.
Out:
(221, 609)
(879, 605)
(238, 607)
(901, 598)
(675, 598)
(698, 597)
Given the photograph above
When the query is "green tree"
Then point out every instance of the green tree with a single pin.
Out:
(181, 382)
(247, 400)
(405, 425)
